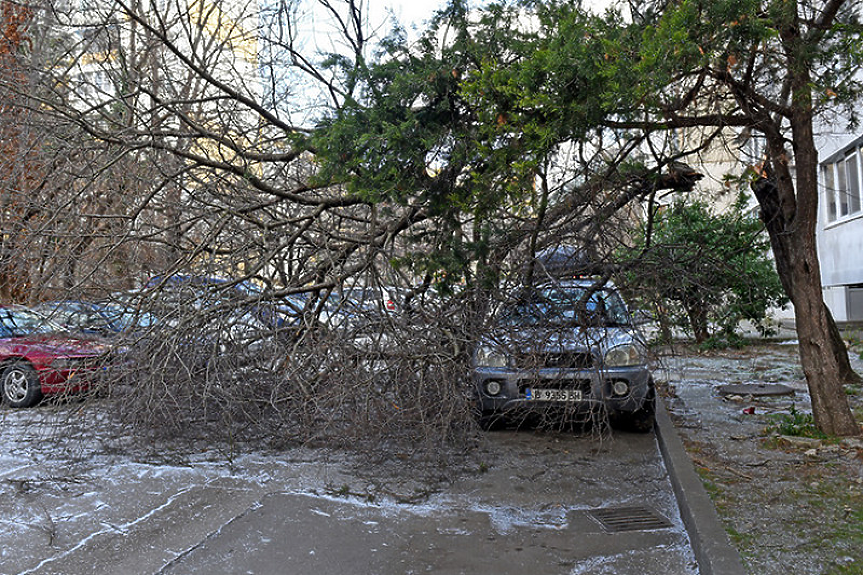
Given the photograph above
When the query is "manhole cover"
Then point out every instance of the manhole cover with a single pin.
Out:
(756, 389)
(623, 519)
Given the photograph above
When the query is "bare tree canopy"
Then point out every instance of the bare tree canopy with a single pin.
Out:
(282, 155)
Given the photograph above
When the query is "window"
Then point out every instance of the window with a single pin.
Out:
(100, 80)
(842, 181)
(829, 191)
(852, 187)
(842, 188)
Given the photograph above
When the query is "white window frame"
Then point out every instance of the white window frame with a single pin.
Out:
(828, 180)
(852, 181)
(842, 181)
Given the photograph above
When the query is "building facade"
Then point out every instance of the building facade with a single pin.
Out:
(840, 225)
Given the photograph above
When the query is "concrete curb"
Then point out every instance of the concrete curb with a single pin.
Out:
(710, 542)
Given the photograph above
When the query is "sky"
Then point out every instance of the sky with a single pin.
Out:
(408, 12)
(317, 23)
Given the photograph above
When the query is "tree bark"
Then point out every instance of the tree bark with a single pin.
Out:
(849, 376)
(697, 314)
(797, 263)
(789, 208)
(823, 374)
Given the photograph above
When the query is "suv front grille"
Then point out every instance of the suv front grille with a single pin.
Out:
(557, 383)
(556, 360)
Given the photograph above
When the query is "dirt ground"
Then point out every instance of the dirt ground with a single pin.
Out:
(791, 501)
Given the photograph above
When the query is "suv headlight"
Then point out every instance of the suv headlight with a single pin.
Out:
(624, 355)
(489, 357)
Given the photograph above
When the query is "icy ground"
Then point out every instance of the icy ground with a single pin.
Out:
(77, 497)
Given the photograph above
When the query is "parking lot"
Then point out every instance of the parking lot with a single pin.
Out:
(523, 502)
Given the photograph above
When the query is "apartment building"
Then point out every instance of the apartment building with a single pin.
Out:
(840, 225)
(154, 54)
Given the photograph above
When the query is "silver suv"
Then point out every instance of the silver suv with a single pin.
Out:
(564, 350)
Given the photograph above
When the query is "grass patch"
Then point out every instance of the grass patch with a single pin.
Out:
(843, 529)
(738, 539)
(830, 514)
(795, 424)
(714, 488)
(854, 568)
(723, 341)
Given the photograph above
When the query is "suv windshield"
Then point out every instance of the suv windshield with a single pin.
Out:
(567, 305)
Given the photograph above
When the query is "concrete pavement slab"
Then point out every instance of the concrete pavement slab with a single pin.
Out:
(525, 505)
(288, 533)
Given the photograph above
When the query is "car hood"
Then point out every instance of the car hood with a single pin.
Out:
(535, 339)
(54, 345)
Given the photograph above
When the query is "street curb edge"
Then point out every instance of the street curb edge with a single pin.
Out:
(713, 550)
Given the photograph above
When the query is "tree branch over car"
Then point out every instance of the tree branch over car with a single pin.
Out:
(449, 159)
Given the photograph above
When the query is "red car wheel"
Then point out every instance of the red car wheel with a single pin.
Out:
(19, 385)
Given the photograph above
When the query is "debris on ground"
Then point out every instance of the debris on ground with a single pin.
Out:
(791, 499)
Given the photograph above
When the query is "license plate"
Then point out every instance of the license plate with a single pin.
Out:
(553, 394)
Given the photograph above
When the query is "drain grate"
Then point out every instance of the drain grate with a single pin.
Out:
(623, 519)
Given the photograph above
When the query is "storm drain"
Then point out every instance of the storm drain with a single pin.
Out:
(623, 519)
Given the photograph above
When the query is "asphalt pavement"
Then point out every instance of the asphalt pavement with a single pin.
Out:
(536, 503)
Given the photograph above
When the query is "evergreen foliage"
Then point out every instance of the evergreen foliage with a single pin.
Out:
(705, 271)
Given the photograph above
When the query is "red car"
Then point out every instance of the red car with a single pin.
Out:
(37, 358)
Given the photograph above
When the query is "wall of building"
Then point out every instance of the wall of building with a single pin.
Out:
(840, 249)
(839, 231)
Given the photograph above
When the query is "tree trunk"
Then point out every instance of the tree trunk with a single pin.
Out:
(697, 314)
(823, 373)
(797, 263)
(849, 376)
